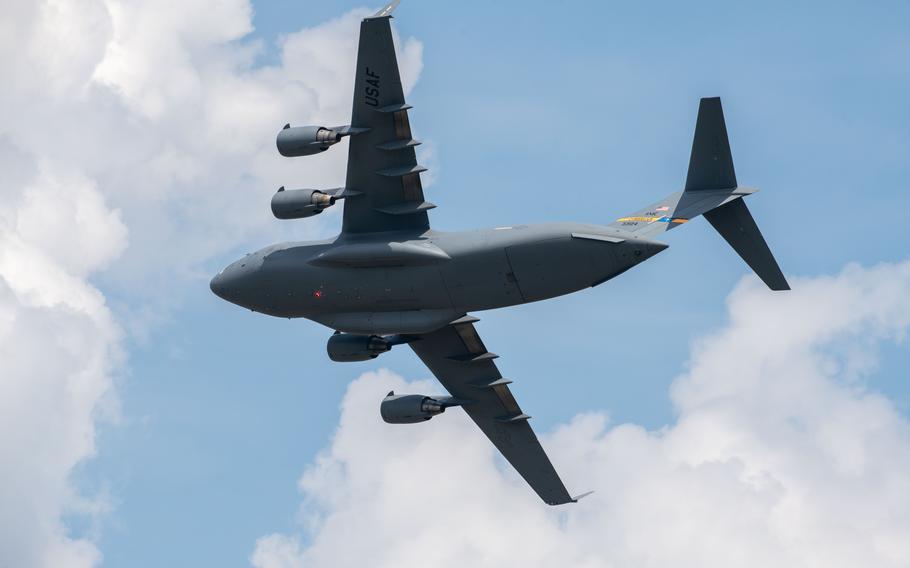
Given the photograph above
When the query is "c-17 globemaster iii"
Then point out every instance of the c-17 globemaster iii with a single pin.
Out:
(389, 279)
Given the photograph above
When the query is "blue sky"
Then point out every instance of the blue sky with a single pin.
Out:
(533, 112)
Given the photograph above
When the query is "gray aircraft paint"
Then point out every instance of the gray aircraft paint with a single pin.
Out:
(478, 270)
(391, 279)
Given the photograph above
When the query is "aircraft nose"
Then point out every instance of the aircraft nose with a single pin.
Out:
(226, 284)
(237, 283)
(218, 285)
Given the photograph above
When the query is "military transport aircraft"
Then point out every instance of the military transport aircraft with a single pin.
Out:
(389, 279)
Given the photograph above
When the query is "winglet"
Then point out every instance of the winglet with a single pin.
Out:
(387, 11)
(577, 498)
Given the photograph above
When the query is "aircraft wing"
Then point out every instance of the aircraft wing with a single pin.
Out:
(461, 362)
(383, 174)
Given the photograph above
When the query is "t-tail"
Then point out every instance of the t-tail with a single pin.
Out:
(711, 190)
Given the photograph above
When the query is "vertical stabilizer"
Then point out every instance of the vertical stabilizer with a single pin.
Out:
(711, 170)
(711, 164)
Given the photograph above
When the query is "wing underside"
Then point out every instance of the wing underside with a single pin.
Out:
(382, 166)
(458, 358)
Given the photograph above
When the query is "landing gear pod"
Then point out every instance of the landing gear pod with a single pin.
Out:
(306, 140)
(300, 203)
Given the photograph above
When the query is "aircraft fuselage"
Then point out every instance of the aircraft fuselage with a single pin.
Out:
(386, 283)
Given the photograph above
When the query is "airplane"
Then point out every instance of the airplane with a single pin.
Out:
(389, 279)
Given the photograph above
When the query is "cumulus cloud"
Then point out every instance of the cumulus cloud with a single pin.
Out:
(781, 455)
(58, 349)
(164, 108)
(136, 143)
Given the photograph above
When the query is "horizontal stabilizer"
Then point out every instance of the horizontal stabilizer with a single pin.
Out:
(735, 224)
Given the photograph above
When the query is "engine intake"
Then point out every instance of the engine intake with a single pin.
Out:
(300, 203)
(305, 140)
(347, 347)
(409, 408)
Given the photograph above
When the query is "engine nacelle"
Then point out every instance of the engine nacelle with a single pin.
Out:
(300, 203)
(347, 347)
(305, 140)
(409, 408)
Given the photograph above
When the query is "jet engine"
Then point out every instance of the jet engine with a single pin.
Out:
(306, 140)
(409, 408)
(300, 203)
(347, 347)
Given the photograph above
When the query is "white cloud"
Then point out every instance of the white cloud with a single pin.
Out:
(781, 455)
(68, 220)
(58, 348)
(137, 141)
(163, 108)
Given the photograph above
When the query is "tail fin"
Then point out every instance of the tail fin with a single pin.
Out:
(711, 163)
(711, 168)
(711, 190)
